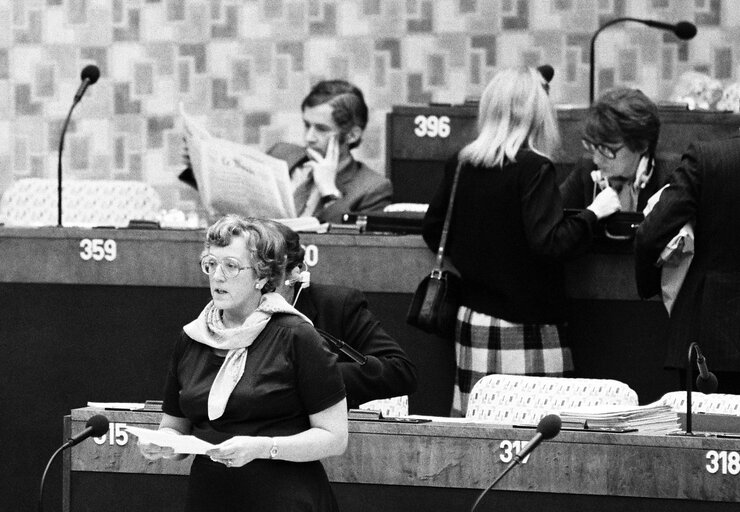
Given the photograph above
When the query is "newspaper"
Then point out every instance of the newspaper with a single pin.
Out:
(234, 178)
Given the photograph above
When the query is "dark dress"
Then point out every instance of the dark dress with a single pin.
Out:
(290, 373)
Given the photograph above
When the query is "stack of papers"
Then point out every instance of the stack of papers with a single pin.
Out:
(653, 418)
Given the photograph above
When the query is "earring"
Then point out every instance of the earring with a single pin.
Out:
(258, 286)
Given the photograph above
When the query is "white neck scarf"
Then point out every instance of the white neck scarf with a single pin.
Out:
(209, 329)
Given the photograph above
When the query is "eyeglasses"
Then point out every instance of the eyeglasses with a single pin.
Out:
(229, 266)
(606, 151)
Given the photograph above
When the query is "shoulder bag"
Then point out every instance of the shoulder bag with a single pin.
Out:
(437, 299)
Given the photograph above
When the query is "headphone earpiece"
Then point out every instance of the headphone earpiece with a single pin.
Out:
(305, 279)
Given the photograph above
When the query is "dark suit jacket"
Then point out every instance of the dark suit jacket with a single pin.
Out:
(362, 188)
(578, 188)
(704, 189)
(343, 313)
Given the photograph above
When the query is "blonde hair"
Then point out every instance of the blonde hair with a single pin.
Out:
(514, 111)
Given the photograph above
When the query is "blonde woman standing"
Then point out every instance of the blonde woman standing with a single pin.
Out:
(508, 237)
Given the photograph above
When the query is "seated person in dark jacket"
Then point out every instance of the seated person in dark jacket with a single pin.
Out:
(621, 135)
(327, 180)
(343, 313)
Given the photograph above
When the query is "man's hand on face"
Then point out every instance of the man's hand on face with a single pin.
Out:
(325, 167)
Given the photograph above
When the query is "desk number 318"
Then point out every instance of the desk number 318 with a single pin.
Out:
(724, 462)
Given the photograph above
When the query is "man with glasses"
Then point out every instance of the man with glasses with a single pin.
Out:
(620, 135)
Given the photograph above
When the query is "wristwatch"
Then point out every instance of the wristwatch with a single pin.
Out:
(274, 450)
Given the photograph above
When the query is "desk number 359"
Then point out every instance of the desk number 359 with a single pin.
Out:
(724, 462)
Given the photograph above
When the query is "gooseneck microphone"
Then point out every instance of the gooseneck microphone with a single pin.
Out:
(683, 30)
(547, 428)
(345, 349)
(706, 382)
(96, 426)
(89, 76)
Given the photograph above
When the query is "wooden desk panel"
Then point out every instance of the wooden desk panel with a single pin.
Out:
(469, 456)
(372, 263)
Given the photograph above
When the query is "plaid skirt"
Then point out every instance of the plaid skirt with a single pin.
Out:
(485, 345)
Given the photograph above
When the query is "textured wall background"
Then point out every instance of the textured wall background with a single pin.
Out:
(243, 66)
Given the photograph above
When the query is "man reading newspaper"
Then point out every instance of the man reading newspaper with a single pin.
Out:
(325, 180)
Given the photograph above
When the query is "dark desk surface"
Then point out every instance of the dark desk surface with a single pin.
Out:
(470, 456)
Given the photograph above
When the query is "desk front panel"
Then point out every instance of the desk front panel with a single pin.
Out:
(470, 456)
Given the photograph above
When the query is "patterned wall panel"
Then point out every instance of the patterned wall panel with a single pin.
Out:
(243, 67)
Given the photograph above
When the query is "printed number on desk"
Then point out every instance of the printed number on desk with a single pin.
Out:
(510, 449)
(724, 462)
(98, 249)
(432, 126)
(312, 255)
(116, 435)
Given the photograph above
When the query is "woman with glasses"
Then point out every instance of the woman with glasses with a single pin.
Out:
(508, 236)
(252, 376)
(620, 136)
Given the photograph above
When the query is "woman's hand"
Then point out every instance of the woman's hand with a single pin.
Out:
(241, 450)
(155, 452)
(606, 203)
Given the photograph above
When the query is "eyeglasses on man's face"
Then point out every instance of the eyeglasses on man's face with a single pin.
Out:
(609, 152)
(229, 266)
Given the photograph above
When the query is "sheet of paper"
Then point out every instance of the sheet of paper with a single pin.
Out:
(126, 406)
(179, 443)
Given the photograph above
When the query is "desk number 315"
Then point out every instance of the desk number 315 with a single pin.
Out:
(724, 462)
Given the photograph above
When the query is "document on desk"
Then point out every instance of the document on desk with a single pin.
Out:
(179, 443)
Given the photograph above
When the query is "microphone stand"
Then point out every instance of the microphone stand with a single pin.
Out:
(345, 349)
(689, 379)
(59, 163)
(592, 70)
(43, 477)
(503, 473)
(693, 350)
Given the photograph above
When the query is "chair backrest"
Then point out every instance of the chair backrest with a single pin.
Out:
(524, 400)
(715, 403)
(33, 202)
(395, 407)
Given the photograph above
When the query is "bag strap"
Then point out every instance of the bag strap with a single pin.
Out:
(448, 217)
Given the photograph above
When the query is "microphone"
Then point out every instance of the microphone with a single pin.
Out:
(683, 30)
(547, 428)
(96, 426)
(351, 352)
(706, 382)
(89, 76)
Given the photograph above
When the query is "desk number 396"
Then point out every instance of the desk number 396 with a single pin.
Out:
(724, 462)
